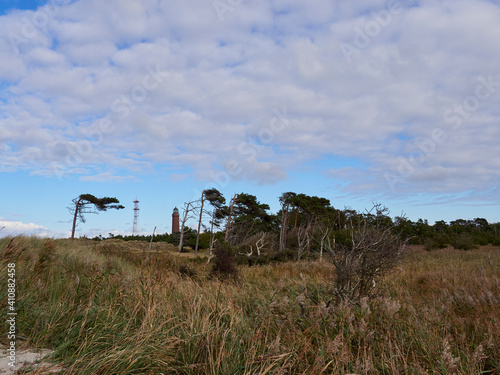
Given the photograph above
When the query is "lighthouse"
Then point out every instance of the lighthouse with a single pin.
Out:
(175, 221)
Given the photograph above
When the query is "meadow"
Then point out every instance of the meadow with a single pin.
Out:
(103, 310)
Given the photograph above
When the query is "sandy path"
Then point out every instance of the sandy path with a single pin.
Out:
(23, 357)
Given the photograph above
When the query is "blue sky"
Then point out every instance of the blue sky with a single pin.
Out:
(7, 6)
(359, 102)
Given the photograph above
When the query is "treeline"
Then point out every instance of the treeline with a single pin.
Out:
(461, 234)
(305, 226)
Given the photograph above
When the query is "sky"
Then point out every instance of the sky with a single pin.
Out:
(394, 102)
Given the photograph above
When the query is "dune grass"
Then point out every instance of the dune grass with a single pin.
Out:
(103, 311)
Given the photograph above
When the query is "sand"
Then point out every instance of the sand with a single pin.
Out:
(24, 358)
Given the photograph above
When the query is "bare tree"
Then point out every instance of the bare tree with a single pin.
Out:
(286, 201)
(189, 209)
(228, 225)
(211, 249)
(150, 243)
(324, 235)
(307, 234)
(302, 240)
(371, 252)
(202, 203)
(212, 239)
(259, 244)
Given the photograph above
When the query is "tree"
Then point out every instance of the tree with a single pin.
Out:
(311, 209)
(403, 226)
(482, 224)
(286, 202)
(228, 211)
(246, 215)
(88, 203)
(189, 209)
(440, 226)
(215, 198)
(459, 226)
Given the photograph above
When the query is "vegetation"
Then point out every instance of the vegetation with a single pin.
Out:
(87, 203)
(311, 289)
(372, 251)
(103, 311)
(305, 224)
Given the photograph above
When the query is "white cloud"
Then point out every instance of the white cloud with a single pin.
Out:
(16, 228)
(220, 82)
(107, 176)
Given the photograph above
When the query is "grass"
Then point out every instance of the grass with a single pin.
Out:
(103, 312)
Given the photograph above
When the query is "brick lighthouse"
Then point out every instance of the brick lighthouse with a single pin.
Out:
(175, 221)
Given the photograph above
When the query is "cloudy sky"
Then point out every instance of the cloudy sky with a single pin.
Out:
(394, 102)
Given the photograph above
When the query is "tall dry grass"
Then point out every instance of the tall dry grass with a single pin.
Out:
(104, 311)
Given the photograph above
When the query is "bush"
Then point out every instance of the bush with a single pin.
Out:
(464, 241)
(416, 241)
(442, 240)
(225, 263)
(284, 256)
(437, 241)
(496, 241)
(371, 252)
(483, 239)
(185, 271)
(430, 244)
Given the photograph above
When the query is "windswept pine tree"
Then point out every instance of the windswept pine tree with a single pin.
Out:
(89, 204)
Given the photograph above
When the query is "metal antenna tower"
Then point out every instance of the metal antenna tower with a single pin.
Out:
(135, 229)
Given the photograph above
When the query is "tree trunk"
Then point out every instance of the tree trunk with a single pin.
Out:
(230, 215)
(284, 223)
(211, 241)
(322, 245)
(199, 222)
(296, 218)
(150, 243)
(181, 240)
(307, 234)
(77, 209)
(246, 235)
(321, 249)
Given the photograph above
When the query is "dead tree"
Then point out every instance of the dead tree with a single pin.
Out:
(307, 234)
(286, 201)
(302, 239)
(202, 203)
(211, 249)
(228, 225)
(212, 239)
(258, 246)
(324, 235)
(189, 209)
(150, 243)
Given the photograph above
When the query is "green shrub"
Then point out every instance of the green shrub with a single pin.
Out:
(224, 265)
(284, 256)
(496, 241)
(463, 241)
(482, 239)
(416, 241)
(430, 244)
(437, 241)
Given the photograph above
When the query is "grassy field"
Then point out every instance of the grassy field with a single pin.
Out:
(103, 312)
